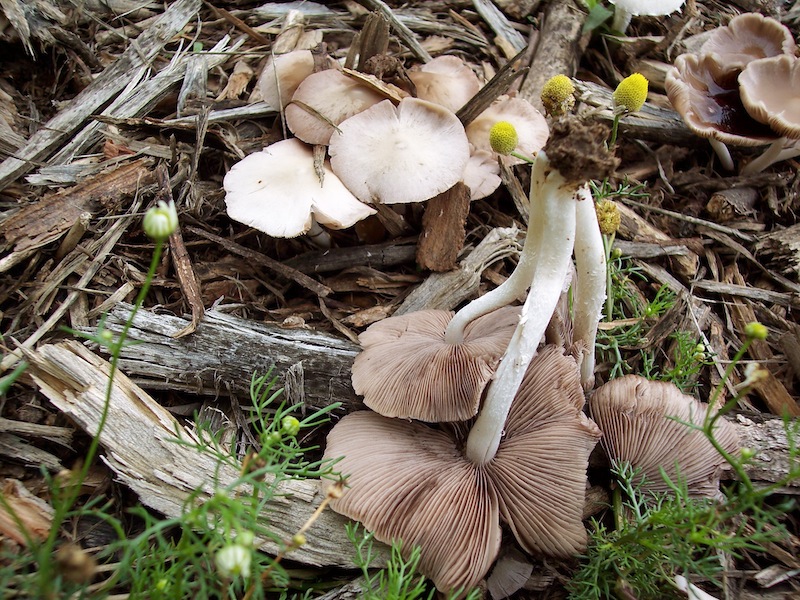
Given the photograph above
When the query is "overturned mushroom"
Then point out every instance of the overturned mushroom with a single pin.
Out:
(625, 9)
(411, 482)
(446, 80)
(653, 426)
(748, 37)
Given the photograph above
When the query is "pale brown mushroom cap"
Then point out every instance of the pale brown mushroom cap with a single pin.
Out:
(334, 97)
(446, 80)
(770, 91)
(282, 74)
(748, 37)
(644, 423)
(705, 92)
(482, 174)
(406, 481)
(539, 470)
(399, 154)
(407, 370)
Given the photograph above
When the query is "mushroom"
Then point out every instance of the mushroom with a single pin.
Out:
(281, 76)
(530, 124)
(411, 482)
(407, 153)
(625, 9)
(445, 80)
(748, 37)
(278, 191)
(705, 92)
(770, 92)
(653, 426)
(322, 101)
(482, 173)
(407, 370)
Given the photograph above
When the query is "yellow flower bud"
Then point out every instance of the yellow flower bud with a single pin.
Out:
(755, 330)
(630, 93)
(608, 217)
(558, 95)
(503, 137)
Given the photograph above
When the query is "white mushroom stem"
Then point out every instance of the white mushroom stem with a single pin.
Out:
(590, 287)
(553, 202)
(318, 236)
(780, 149)
(622, 18)
(518, 282)
(694, 592)
(723, 153)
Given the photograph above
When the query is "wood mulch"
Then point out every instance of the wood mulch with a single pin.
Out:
(100, 117)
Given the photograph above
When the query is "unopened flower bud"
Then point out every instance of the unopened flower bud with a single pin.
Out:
(298, 539)
(233, 560)
(161, 221)
(503, 137)
(271, 439)
(630, 94)
(558, 96)
(755, 331)
(290, 426)
(747, 453)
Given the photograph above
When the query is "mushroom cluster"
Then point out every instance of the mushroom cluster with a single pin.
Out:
(741, 89)
(387, 144)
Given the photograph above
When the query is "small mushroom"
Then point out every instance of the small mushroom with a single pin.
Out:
(624, 10)
(281, 76)
(705, 92)
(748, 37)
(446, 80)
(407, 153)
(278, 191)
(482, 174)
(322, 101)
(770, 92)
(407, 370)
(652, 425)
(411, 482)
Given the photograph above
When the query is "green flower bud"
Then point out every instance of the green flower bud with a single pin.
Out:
(747, 453)
(630, 93)
(106, 336)
(503, 137)
(161, 221)
(271, 439)
(755, 331)
(298, 539)
(558, 95)
(290, 426)
(245, 538)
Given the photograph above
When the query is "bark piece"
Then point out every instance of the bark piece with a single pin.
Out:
(139, 439)
(782, 247)
(443, 232)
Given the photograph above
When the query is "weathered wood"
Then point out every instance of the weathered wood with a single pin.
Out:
(104, 88)
(139, 438)
(443, 231)
(222, 354)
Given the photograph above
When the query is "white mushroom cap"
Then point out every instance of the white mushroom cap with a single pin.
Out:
(282, 74)
(482, 175)
(334, 97)
(278, 192)
(407, 153)
(770, 91)
(530, 124)
(648, 7)
(644, 423)
(747, 37)
(446, 80)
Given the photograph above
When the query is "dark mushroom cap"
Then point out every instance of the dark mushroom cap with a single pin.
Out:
(409, 481)
(645, 422)
(407, 370)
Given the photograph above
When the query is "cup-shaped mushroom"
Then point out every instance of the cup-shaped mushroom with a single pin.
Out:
(652, 425)
(446, 80)
(770, 92)
(705, 92)
(482, 174)
(406, 368)
(747, 37)
(530, 125)
(322, 101)
(407, 153)
(277, 191)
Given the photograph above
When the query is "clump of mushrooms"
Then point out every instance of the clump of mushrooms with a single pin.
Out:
(709, 89)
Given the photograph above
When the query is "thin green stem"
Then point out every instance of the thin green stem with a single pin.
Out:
(614, 128)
